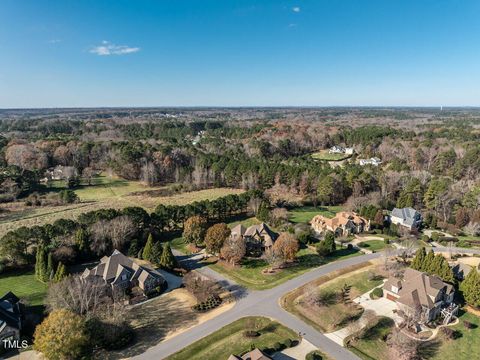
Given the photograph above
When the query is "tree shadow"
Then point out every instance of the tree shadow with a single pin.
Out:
(429, 349)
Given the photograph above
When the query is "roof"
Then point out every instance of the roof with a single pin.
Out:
(418, 288)
(10, 310)
(255, 354)
(262, 230)
(340, 219)
(111, 268)
(407, 214)
(461, 270)
(238, 230)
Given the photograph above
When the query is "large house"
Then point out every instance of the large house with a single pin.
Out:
(418, 291)
(122, 273)
(406, 217)
(343, 224)
(340, 150)
(375, 161)
(11, 318)
(259, 237)
(255, 354)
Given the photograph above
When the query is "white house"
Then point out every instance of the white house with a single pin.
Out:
(407, 217)
(375, 161)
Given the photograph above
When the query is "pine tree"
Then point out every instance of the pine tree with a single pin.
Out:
(61, 272)
(419, 259)
(147, 250)
(168, 260)
(50, 270)
(428, 263)
(81, 239)
(156, 255)
(330, 241)
(471, 288)
(41, 265)
(263, 213)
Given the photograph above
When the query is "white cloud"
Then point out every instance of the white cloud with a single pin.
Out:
(108, 48)
(296, 9)
(54, 41)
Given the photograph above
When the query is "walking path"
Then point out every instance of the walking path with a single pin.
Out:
(265, 303)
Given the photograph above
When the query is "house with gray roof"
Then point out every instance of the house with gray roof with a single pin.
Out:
(257, 237)
(123, 273)
(11, 318)
(419, 292)
(407, 217)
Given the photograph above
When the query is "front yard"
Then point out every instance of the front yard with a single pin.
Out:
(231, 340)
(334, 313)
(373, 245)
(161, 318)
(250, 275)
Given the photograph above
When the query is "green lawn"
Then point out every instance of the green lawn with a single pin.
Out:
(325, 155)
(373, 346)
(374, 245)
(245, 222)
(231, 340)
(439, 349)
(335, 314)
(180, 245)
(24, 285)
(250, 275)
(306, 213)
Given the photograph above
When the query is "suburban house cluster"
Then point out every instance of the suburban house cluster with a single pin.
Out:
(257, 237)
(343, 224)
(11, 318)
(123, 274)
(428, 296)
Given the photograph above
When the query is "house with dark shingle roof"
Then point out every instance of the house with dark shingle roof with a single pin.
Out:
(123, 273)
(257, 237)
(418, 291)
(11, 317)
(407, 217)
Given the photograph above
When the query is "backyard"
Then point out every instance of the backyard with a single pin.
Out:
(24, 285)
(305, 213)
(231, 340)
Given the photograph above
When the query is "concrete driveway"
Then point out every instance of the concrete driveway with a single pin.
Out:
(381, 307)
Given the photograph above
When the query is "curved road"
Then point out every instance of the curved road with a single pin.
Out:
(266, 303)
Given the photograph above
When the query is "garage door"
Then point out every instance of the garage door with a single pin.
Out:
(391, 297)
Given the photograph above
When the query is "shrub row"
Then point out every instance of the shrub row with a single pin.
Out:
(209, 304)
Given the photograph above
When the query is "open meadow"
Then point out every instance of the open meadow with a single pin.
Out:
(105, 192)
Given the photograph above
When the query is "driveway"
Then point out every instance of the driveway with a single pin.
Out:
(295, 353)
(381, 306)
(266, 303)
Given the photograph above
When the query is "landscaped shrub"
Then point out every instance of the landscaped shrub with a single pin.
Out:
(386, 241)
(426, 238)
(211, 303)
(349, 246)
(363, 244)
(468, 324)
(376, 293)
(435, 236)
(314, 355)
(287, 343)
(277, 346)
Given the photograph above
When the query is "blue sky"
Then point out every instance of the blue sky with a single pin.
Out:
(235, 53)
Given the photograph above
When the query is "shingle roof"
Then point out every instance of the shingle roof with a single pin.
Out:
(10, 310)
(407, 214)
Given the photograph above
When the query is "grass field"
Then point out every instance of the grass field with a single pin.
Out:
(306, 213)
(104, 193)
(24, 285)
(325, 155)
(335, 315)
(231, 340)
(250, 275)
(438, 349)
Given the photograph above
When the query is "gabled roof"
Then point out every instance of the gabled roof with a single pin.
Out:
(407, 214)
(255, 354)
(10, 310)
(238, 230)
(262, 230)
(418, 288)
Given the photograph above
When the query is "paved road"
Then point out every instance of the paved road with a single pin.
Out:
(265, 303)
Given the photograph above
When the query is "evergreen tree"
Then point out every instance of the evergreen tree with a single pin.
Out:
(81, 239)
(50, 270)
(263, 212)
(61, 272)
(156, 255)
(147, 250)
(419, 259)
(41, 264)
(428, 263)
(168, 260)
(330, 241)
(471, 288)
(134, 248)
